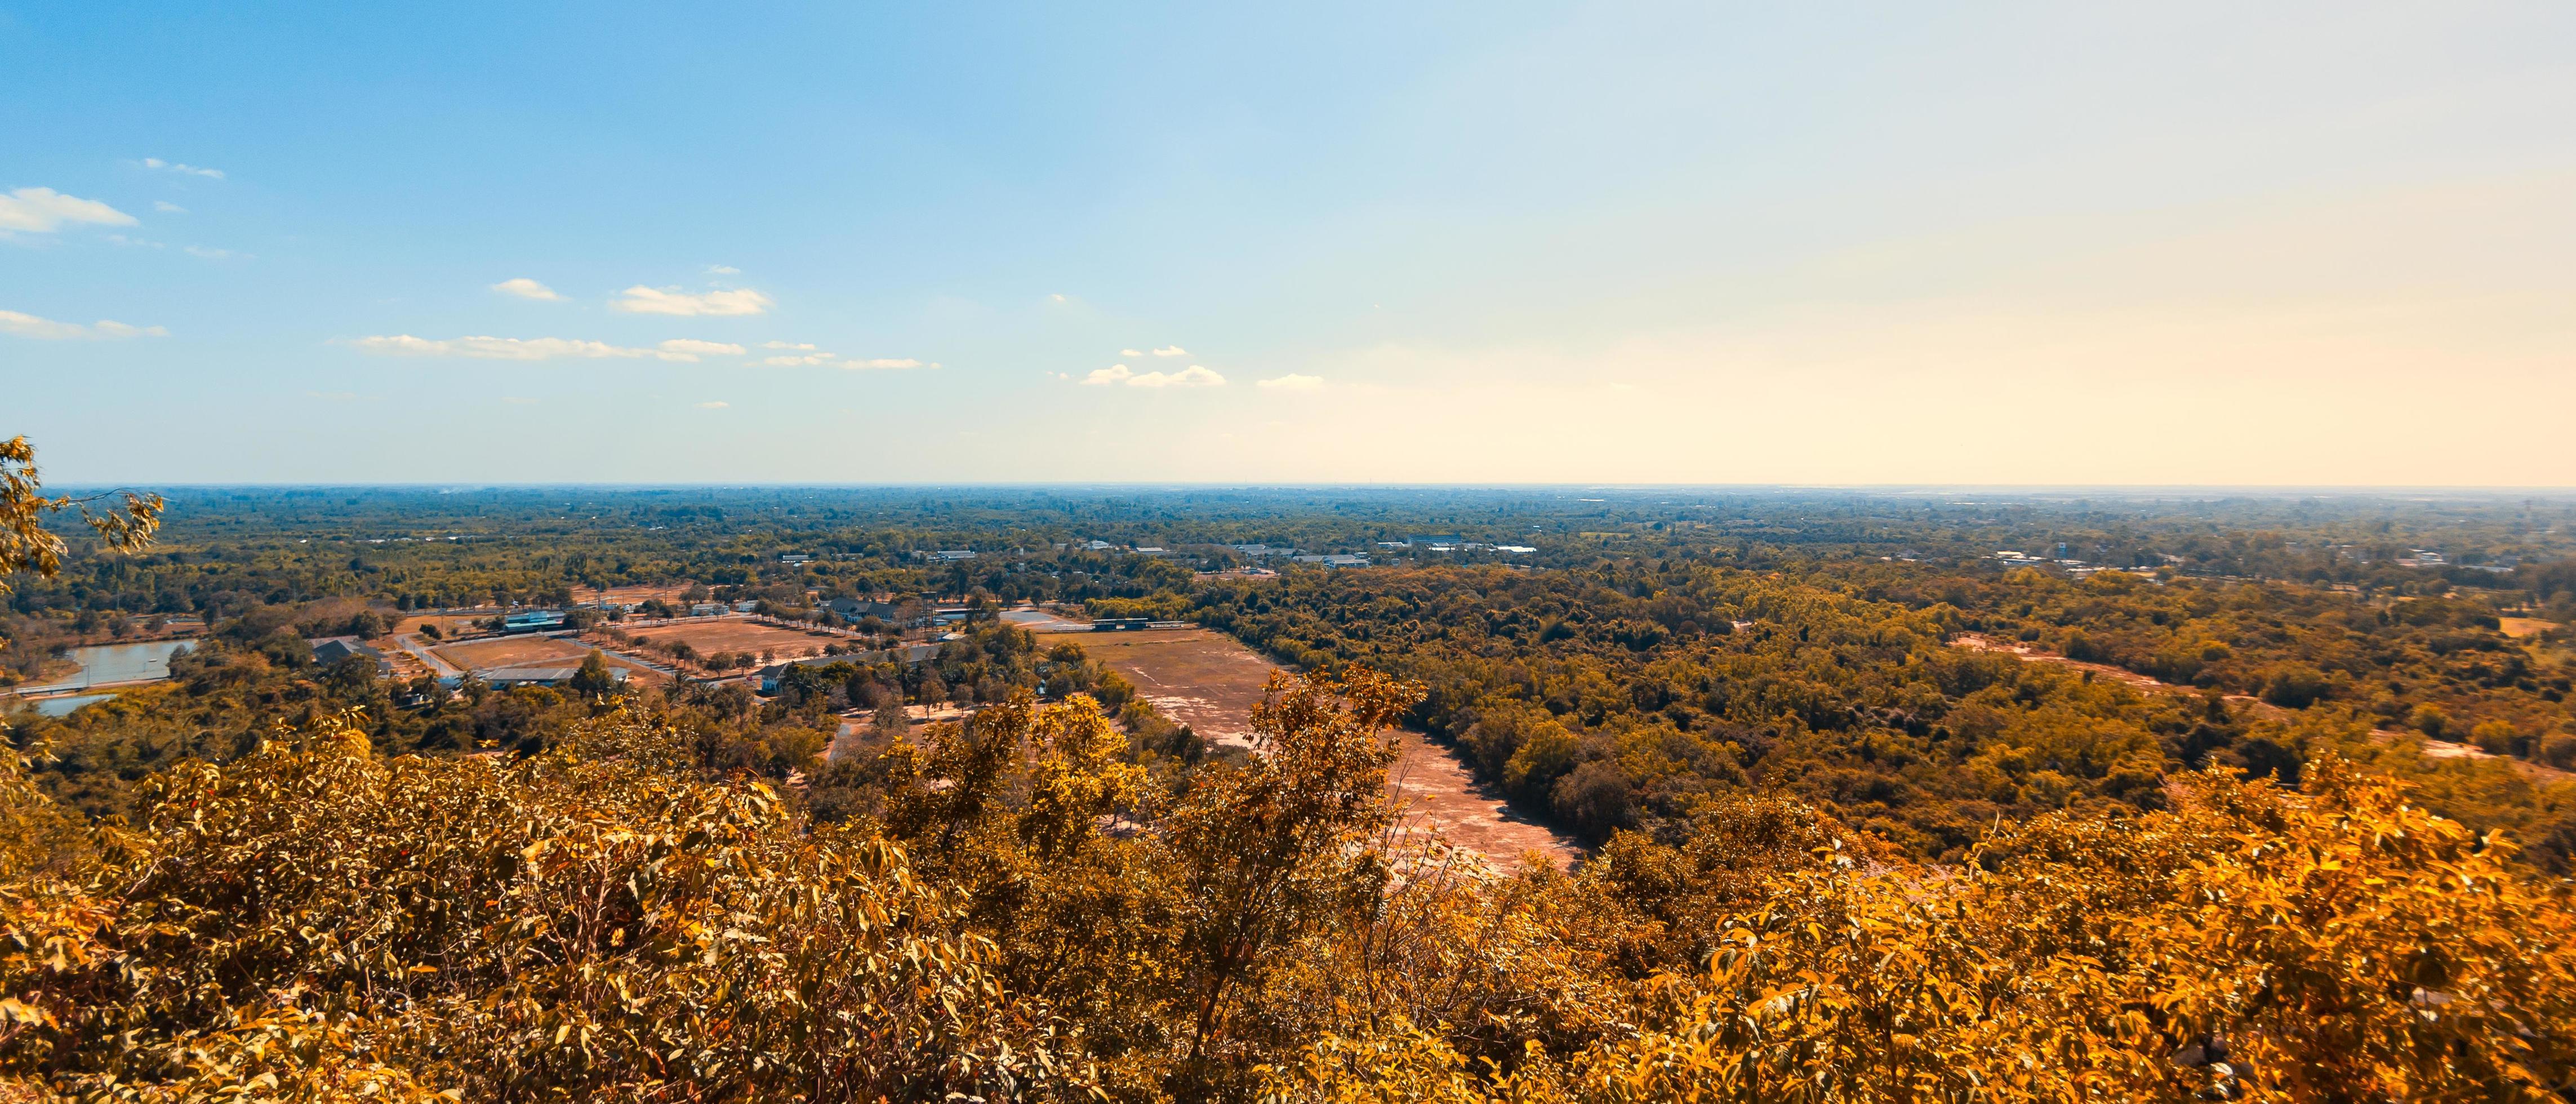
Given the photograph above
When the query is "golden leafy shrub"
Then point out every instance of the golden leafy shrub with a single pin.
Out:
(587, 924)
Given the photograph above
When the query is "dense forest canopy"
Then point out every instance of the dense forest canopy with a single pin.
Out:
(1888, 796)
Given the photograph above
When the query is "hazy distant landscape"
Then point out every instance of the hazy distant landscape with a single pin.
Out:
(1631, 724)
(1318, 554)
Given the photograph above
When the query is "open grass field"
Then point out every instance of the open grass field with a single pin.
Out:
(523, 651)
(1210, 682)
(735, 634)
(668, 592)
(1201, 678)
(2519, 627)
(458, 625)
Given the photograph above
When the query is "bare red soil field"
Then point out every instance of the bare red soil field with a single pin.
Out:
(1210, 682)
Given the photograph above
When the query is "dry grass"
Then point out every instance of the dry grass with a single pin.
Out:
(460, 625)
(668, 592)
(2519, 627)
(1206, 680)
(510, 651)
(525, 651)
(727, 634)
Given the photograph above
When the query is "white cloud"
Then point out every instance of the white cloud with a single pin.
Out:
(800, 354)
(186, 170)
(701, 348)
(1057, 296)
(723, 270)
(46, 329)
(644, 300)
(44, 210)
(1292, 382)
(512, 348)
(1171, 350)
(121, 239)
(526, 288)
(1192, 376)
(168, 208)
(1131, 352)
(210, 253)
(714, 404)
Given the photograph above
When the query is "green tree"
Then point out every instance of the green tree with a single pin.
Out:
(594, 679)
(25, 543)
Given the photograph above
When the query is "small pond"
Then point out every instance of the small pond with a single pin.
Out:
(63, 707)
(111, 663)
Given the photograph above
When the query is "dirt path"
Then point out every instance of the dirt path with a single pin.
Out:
(1210, 681)
(2433, 749)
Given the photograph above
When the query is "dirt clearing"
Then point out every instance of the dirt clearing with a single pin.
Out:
(739, 634)
(524, 651)
(1206, 680)
(1210, 682)
(2519, 627)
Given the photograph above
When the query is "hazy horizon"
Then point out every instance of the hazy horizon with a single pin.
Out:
(2199, 246)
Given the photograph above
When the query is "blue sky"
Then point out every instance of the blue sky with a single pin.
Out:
(2201, 243)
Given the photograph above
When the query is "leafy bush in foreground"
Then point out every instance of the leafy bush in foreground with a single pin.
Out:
(1030, 916)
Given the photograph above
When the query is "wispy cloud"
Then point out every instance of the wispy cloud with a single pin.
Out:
(1192, 376)
(701, 348)
(211, 253)
(44, 210)
(526, 288)
(513, 348)
(1131, 353)
(1293, 381)
(801, 354)
(168, 208)
(723, 270)
(45, 329)
(1171, 351)
(158, 164)
(645, 300)
(146, 243)
(714, 404)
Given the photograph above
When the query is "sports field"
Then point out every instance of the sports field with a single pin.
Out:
(523, 651)
(739, 634)
(634, 595)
